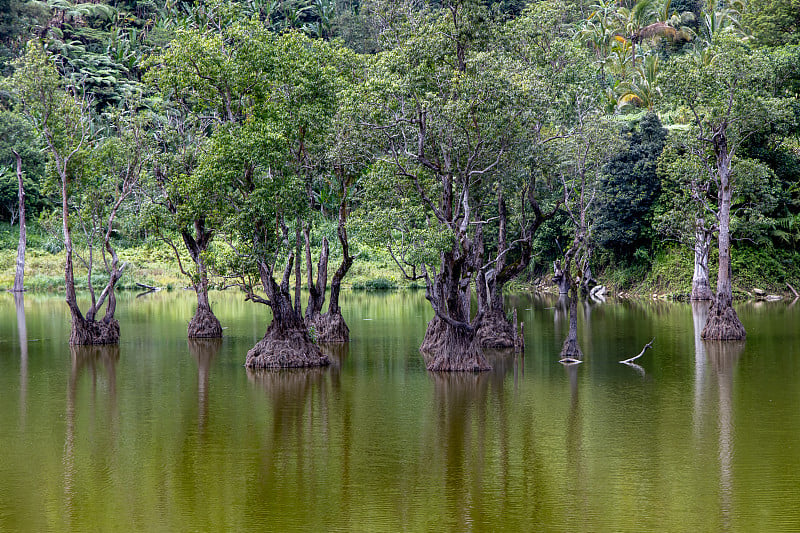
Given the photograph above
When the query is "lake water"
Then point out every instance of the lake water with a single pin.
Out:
(161, 434)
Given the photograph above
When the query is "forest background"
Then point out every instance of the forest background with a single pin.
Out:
(583, 106)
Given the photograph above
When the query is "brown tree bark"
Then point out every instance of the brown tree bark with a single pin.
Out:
(570, 350)
(330, 326)
(451, 343)
(286, 344)
(204, 324)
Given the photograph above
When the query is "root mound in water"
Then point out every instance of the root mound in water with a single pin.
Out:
(86, 332)
(287, 348)
(571, 351)
(449, 349)
(330, 328)
(204, 324)
(723, 324)
(496, 332)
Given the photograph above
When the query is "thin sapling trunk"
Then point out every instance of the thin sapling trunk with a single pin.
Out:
(19, 276)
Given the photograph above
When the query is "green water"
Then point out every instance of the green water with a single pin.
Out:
(161, 434)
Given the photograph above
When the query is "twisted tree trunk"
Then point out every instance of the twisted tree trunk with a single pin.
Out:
(450, 342)
(330, 326)
(87, 330)
(286, 344)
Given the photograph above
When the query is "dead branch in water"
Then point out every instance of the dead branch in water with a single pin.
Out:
(635, 357)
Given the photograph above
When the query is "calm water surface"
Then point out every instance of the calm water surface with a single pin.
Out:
(165, 434)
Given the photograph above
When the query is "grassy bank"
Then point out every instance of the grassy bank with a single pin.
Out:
(667, 273)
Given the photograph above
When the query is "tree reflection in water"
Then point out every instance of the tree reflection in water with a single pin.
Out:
(462, 403)
(721, 357)
(22, 331)
(724, 355)
(87, 359)
(203, 351)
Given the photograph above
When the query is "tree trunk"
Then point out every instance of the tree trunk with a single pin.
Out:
(570, 349)
(87, 332)
(701, 287)
(204, 324)
(19, 276)
(451, 343)
(560, 278)
(286, 343)
(723, 323)
(452, 348)
(330, 326)
(495, 331)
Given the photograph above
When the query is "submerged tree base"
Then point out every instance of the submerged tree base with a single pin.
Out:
(496, 331)
(723, 324)
(88, 332)
(450, 349)
(330, 328)
(570, 351)
(204, 324)
(285, 348)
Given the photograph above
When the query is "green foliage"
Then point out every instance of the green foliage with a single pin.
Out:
(376, 284)
(774, 22)
(628, 188)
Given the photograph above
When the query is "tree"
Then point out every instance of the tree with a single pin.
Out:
(186, 206)
(583, 154)
(686, 212)
(348, 158)
(97, 178)
(270, 99)
(774, 22)
(728, 100)
(448, 113)
(628, 186)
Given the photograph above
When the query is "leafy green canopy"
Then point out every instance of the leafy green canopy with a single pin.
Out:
(629, 185)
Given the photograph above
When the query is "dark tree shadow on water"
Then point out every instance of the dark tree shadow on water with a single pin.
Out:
(464, 404)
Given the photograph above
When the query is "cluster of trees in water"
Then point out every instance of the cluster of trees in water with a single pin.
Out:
(466, 136)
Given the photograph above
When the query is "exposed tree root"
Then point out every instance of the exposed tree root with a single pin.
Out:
(723, 324)
(329, 328)
(86, 332)
(496, 331)
(285, 348)
(570, 350)
(204, 324)
(450, 349)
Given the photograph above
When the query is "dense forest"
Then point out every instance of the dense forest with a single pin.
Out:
(461, 146)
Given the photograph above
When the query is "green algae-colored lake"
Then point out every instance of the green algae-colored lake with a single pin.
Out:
(161, 434)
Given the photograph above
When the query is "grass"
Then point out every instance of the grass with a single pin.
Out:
(667, 272)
